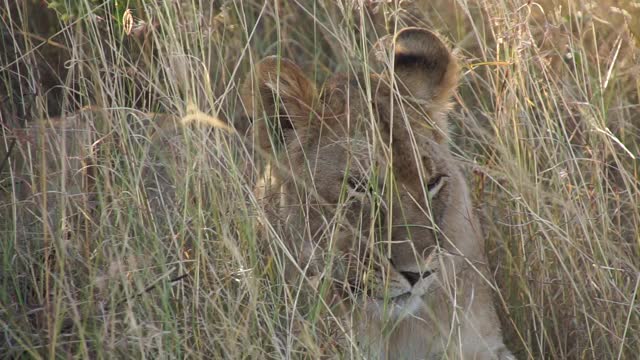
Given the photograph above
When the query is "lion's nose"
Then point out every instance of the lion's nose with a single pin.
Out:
(414, 277)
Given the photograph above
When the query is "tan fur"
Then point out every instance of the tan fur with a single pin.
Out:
(370, 183)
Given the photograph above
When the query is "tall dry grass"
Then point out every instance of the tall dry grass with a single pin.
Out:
(125, 234)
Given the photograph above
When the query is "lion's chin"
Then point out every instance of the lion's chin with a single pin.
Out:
(395, 308)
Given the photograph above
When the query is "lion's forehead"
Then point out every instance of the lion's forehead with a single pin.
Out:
(356, 149)
(421, 157)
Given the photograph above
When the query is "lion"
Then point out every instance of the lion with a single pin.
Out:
(365, 191)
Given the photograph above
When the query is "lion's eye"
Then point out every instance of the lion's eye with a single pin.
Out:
(357, 184)
(435, 184)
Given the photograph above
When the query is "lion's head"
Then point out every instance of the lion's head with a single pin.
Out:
(365, 176)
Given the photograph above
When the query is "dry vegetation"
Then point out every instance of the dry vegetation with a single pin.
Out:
(125, 234)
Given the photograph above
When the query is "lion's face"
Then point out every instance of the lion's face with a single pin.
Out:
(368, 178)
(389, 214)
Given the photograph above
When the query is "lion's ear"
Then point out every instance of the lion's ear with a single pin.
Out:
(279, 98)
(424, 66)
